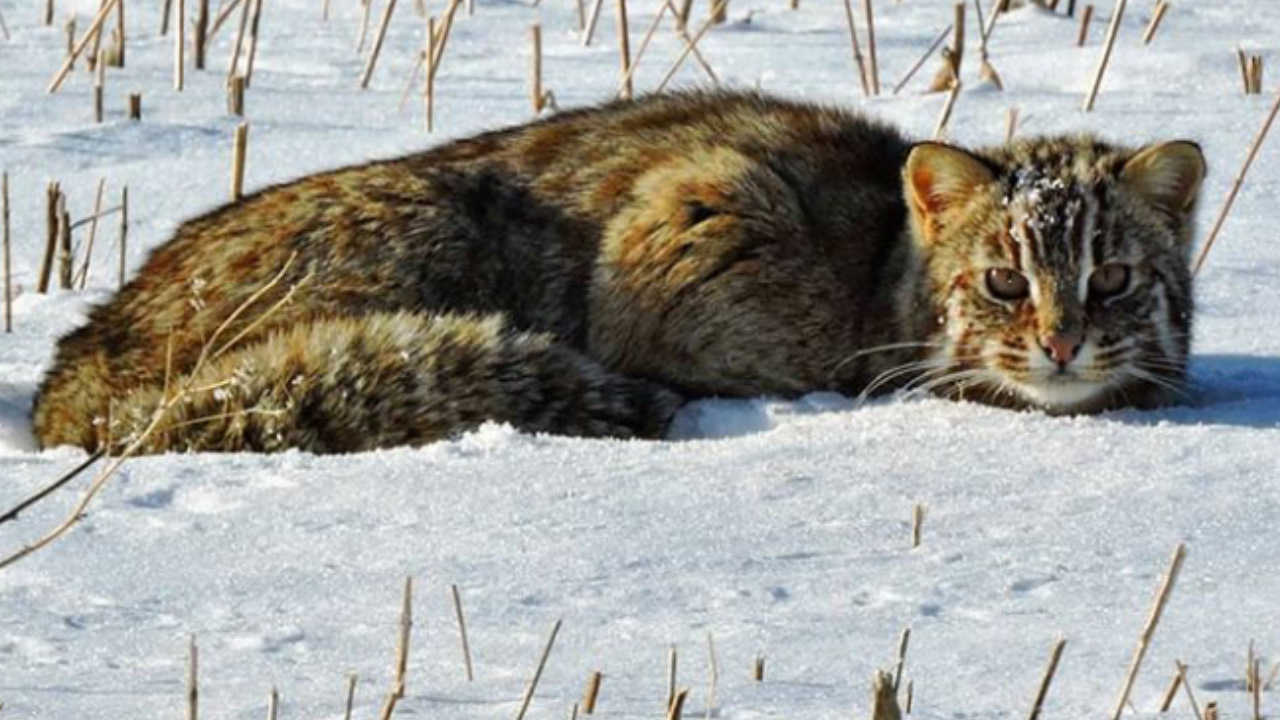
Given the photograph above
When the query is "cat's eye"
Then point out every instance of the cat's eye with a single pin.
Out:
(1006, 284)
(1109, 280)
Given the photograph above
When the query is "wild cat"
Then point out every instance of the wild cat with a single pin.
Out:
(588, 273)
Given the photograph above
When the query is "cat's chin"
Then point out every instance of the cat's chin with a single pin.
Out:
(1064, 396)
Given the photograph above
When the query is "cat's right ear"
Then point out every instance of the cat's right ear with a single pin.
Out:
(940, 179)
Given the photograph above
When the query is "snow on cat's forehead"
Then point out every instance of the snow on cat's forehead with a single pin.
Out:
(1042, 199)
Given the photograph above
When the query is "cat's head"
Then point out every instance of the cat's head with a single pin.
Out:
(1058, 270)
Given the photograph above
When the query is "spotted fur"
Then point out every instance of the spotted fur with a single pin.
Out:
(586, 273)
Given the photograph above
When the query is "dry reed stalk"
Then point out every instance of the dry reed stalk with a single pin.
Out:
(1161, 8)
(911, 696)
(377, 43)
(857, 51)
(1211, 710)
(8, 249)
(535, 72)
(939, 131)
(66, 257)
(1186, 685)
(462, 631)
(933, 47)
(273, 704)
(238, 46)
(1235, 186)
(1255, 75)
(53, 191)
(673, 660)
(1271, 677)
(537, 675)
(124, 230)
(1113, 29)
(903, 642)
(690, 47)
(953, 56)
(224, 12)
(118, 59)
(884, 698)
(757, 669)
(592, 693)
(164, 17)
(682, 14)
(402, 643)
(644, 44)
(874, 69)
(592, 18)
(917, 523)
(201, 33)
(83, 275)
(135, 106)
(180, 46)
(239, 149)
(442, 35)
(582, 16)
(1085, 18)
(48, 12)
(713, 677)
(324, 11)
(1171, 692)
(350, 698)
(94, 29)
(389, 706)
(1010, 123)
(366, 11)
(14, 512)
(675, 708)
(1248, 668)
(624, 50)
(193, 676)
(253, 42)
(1149, 628)
(69, 29)
(99, 86)
(235, 96)
(1054, 657)
(1244, 68)
(429, 90)
(4, 30)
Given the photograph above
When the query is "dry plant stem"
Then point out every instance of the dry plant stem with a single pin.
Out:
(70, 29)
(235, 96)
(66, 261)
(592, 19)
(713, 678)
(675, 708)
(673, 660)
(1257, 690)
(366, 12)
(124, 230)
(624, 50)
(224, 12)
(1054, 657)
(8, 250)
(52, 193)
(429, 91)
(180, 46)
(48, 12)
(911, 696)
(757, 669)
(535, 72)
(442, 35)
(1085, 18)
(239, 148)
(402, 644)
(193, 679)
(202, 32)
(4, 30)
(1113, 28)
(78, 512)
(1186, 685)
(90, 34)
(377, 43)
(933, 47)
(93, 232)
(857, 51)
(1211, 710)
(120, 34)
(1149, 629)
(1235, 186)
(684, 55)
(238, 46)
(99, 86)
(1161, 8)
(164, 17)
(582, 15)
(1171, 692)
(871, 44)
(1010, 123)
(644, 44)
(254, 22)
(462, 631)
(697, 54)
(884, 698)
(351, 697)
(389, 706)
(273, 704)
(903, 641)
(592, 693)
(917, 525)
(537, 675)
(14, 512)
(940, 130)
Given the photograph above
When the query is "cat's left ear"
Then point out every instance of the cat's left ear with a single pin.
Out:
(939, 181)
(1167, 175)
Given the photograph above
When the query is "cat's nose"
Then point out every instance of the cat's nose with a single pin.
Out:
(1061, 347)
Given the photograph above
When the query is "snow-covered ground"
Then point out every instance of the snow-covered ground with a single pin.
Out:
(782, 528)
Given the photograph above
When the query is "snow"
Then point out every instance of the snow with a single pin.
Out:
(782, 528)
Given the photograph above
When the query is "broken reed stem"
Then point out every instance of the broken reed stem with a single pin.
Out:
(1161, 8)
(592, 18)
(462, 631)
(757, 669)
(1113, 29)
(238, 46)
(402, 644)
(592, 693)
(933, 47)
(124, 230)
(202, 31)
(1085, 18)
(1171, 692)
(713, 677)
(941, 128)
(1235, 186)
(164, 17)
(1149, 628)
(1257, 690)
(351, 696)
(120, 34)
(675, 708)
(65, 259)
(535, 73)
(1186, 685)
(253, 42)
(135, 106)
(8, 249)
(429, 89)
(871, 44)
(917, 523)
(537, 675)
(673, 659)
(624, 50)
(884, 697)
(911, 696)
(857, 51)
(179, 46)
(1010, 123)
(273, 704)
(377, 43)
(90, 34)
(903, 641)
(99, 86)
(70, 29)
(52, 192)
(193, 675)
(235, 96)
(239, 149)
(1054, 657)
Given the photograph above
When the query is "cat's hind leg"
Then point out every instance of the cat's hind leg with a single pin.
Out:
(388, 379)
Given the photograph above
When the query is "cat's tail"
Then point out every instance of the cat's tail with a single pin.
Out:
(382, 380)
